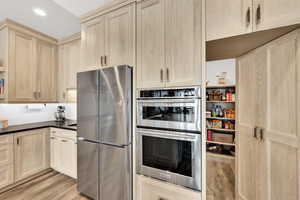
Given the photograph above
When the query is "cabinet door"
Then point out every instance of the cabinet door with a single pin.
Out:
(183, 42)
(68, 157)
(247, 144)
(120, 36)
(46, 66)
(55, 156)
(22, 69)
(270, 14)
(72, 65)
(31, 153)
(280, 144)
(228, 18)
(61, 75)
(150, 44)
(93, 44)
(6, 175)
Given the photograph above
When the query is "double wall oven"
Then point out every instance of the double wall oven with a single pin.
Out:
(169, 135)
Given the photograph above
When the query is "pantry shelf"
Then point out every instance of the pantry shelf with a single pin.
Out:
(221, 143)
(220, 101)
(218, 155)
(220, 86)
(221, 129)
(221, 118)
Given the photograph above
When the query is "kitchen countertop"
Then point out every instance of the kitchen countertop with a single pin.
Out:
(31, 126)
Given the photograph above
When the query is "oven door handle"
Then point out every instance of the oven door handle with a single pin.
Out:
(182, 136)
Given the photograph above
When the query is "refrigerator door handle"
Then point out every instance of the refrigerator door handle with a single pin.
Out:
(115, 145)
(88, 140)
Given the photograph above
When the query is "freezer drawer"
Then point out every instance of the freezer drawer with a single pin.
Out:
(115, 173)
(88, 169)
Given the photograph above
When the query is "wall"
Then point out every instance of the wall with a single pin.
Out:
(20, 114)
(216, 67)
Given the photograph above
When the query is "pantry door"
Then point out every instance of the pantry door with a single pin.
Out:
(281, 134)
(246, 144)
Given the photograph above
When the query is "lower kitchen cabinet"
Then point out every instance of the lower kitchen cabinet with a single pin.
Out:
(6, 160)
(151, 189)
(31, 149)
(63, 147)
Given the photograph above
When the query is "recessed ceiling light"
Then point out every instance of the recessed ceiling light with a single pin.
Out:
(39, 12)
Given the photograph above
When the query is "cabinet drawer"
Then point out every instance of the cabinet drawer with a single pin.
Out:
(6, 139)
(6, 175)
(6, 154)
(62, 133)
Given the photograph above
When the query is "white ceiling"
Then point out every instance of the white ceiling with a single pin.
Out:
(79, 7)
(58, 23)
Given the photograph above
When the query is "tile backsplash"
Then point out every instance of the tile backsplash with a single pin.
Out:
(30, 113)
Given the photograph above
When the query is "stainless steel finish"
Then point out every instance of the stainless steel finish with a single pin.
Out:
(195, 103)
(248, 17)
(196, 88)
(258, 14)
(193, 182)
(105, 133)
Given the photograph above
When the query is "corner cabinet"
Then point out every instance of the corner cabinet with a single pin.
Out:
(28, 60)
(109, 39)
(169, 43)
(31, 149)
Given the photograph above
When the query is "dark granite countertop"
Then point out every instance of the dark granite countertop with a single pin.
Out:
(31, 126)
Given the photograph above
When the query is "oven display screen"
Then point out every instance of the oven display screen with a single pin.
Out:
(167, 154)
(176, 114)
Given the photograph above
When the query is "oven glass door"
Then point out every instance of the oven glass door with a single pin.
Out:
(167, 154)
(170, 114)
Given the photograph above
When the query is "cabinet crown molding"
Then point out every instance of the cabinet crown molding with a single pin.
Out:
(71, 38)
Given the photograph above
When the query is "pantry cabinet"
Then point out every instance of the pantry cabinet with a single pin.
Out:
(31, 151)
(109, 39)
(268, 121)
(231, 18)
(29, 61)
(151, 189)
(63, 150)
(169, 43)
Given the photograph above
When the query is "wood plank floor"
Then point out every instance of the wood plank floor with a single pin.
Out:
(51, 186)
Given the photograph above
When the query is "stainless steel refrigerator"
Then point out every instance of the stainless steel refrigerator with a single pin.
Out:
(104, 118)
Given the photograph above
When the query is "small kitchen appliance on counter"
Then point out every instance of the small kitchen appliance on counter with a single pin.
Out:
(60, 115)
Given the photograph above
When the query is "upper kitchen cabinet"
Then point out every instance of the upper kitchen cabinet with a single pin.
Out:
(228, 18)
(46, 66)
(68, 66)
(108, 37)
(169, 43)
(93, 44)
(27, 65)
(275, 13)
(225, 19)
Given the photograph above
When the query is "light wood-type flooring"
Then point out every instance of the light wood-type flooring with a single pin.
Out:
(51, 186)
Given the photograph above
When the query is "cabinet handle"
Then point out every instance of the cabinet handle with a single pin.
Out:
(39, 95)
(168, 78)
(248, 17)
(258, 14)
(161, 75)
(261, 134)
(255, 132)
(64, 95)
(35, 95)
(101, 60)
(105, 60)
(52, 138)
(18, 141)
(160, 198)
(64, 140)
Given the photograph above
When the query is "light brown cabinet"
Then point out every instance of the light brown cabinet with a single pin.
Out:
(151, 189)
(6, 160)
(31, 149)
(109, 39)
(268, 147)
(68, 66)
(231, 18)
(169, 43)
(28, 61)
